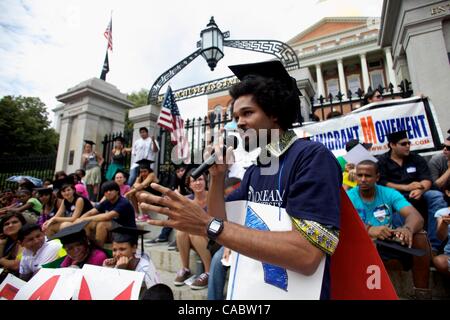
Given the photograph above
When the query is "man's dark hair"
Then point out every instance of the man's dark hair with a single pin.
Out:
(143, 129)
(158, 291)
(369, 163)
(110, 185)
(275, 98)
(26, 230)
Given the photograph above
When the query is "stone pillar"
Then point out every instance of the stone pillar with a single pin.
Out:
(390, 68)
(342, 83)
(320, 84)
(90, 110)
(65, 127)
(365, 72)
(432, 78)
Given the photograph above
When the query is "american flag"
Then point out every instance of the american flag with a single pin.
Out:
(170, 119)
(108, 35)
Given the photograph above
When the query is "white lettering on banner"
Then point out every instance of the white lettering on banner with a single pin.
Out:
(373, 126)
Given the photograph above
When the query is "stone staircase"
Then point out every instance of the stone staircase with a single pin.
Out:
(168, 263)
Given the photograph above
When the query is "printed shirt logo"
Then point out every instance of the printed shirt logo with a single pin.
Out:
(268, 197)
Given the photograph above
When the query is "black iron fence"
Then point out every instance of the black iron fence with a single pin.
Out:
(108, 144)
(198, 132)
(322, 106)
(41, 167)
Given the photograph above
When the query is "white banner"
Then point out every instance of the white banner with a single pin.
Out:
(251, 279)
(371, 125)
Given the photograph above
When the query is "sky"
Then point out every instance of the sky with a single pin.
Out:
(48, 46)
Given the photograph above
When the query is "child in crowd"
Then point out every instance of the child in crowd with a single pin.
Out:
(124, 246)
(37, 251)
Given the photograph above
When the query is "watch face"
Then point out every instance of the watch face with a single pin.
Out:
(214, 226)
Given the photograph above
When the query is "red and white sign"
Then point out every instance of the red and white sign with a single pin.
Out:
(100, 283)
(10, 286)
(51, 284)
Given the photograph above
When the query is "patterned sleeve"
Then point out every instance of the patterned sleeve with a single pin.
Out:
(323, 237)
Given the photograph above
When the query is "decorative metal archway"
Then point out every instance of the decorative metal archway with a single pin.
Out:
(279, 49)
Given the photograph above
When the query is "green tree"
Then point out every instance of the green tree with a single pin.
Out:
(25, 128)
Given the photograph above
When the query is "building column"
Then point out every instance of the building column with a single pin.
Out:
(390, 68)
(320, 84)
(342, 83)
(365, 72)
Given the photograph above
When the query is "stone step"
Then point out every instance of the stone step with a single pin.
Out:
(170, 261)
(181, 292)
(403, 284)
(154, 230)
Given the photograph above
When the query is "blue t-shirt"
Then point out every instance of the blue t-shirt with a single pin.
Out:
(307, 184)
(382, 210)
(123, 207)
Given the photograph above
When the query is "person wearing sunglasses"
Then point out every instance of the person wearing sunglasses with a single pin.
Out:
(408, 173)
(373, 96)
(440, 165)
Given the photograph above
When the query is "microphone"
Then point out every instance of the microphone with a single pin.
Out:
(231, 140)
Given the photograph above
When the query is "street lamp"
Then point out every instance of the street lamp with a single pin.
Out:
(212, 44)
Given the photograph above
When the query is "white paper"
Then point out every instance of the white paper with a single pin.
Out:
(358, 154)
(247, 278)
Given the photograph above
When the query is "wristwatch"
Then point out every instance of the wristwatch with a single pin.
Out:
(215, 227)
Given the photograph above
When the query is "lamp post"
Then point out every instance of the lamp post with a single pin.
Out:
(212, 44)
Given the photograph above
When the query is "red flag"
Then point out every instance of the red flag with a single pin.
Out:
(357, 271)
(108, 34)
(170, 119)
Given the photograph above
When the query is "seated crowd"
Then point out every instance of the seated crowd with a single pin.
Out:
(402, 199)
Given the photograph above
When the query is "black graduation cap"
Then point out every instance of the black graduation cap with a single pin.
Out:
(71, 234)
(397, 246)
(354, 142)
(395, 137)
(267, 69)
(89, 142)
(42, 191)
(122, 234)
(144, 163)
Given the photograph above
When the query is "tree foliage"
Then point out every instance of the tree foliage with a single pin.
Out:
(25, 128)
(139, 99)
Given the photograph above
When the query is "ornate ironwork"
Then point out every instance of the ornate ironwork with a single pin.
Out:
(278, 49)
(202, 88)
(169, 74)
